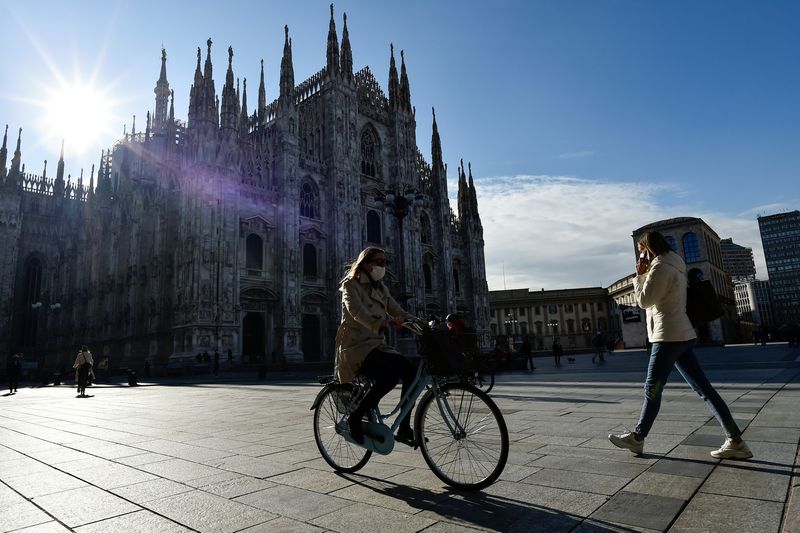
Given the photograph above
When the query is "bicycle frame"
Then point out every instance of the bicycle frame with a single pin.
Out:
(384, 443)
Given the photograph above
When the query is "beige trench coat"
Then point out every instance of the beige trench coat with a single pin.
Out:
(364, 309)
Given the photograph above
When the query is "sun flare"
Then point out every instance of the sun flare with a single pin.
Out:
(80, 113)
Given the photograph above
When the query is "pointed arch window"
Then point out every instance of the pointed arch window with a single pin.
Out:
(691, 248)
(254, 251)
(373, 227)
(425, 229)
(370, 150)
(426, 270)
(310, 261)
(309, 200)
(33, 290)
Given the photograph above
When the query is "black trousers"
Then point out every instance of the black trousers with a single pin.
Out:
(385, 368)
(13, 380)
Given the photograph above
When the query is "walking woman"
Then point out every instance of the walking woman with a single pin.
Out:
(368, 310)
(660, 288)
(83, 365)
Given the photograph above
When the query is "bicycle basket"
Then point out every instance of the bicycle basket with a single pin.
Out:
(342, 397)
(442, 353)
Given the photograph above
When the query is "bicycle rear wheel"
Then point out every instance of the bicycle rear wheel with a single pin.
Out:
(342, 455)
(462, 436)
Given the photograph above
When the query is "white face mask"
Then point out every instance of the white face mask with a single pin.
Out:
(378, 272)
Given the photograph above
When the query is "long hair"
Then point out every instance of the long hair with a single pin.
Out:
(655, 242)
(356, 266)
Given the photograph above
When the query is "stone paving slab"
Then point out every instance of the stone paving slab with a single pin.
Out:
(217, 460)
(712, 512)
(626, 508)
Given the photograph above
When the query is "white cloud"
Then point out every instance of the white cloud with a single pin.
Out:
(576, 155)
(556, 232)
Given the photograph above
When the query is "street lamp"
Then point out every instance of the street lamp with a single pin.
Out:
(399, 202)
(510, 323)
(553, 324)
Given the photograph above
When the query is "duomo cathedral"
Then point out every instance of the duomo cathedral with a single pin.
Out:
(231, 230)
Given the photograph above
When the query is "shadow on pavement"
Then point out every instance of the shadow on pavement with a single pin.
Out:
(549, 399)
(478, 509)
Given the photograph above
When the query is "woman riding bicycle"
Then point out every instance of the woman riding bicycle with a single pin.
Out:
(361, 349)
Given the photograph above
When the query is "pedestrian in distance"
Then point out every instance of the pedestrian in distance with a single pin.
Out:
(526, 351)
(83, 364)
(599, 347)
(368, 311)
(13, 368)
(558, 351)
(216, 363)
(660, 288)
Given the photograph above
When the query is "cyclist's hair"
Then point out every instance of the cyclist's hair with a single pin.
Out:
(655, 242)
(366, 254)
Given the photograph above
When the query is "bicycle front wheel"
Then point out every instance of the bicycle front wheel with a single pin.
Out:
(462, 435)
(342, 455)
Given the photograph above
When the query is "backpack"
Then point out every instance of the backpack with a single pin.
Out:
(702, 304)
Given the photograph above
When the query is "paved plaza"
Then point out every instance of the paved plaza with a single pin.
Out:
(239, 455)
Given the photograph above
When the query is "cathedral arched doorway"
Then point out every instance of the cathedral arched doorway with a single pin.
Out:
(311, 338)
(253, 337)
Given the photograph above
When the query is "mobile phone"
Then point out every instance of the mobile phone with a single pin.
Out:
(643, 256)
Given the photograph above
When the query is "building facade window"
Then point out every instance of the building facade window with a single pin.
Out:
(309, 201)
(586, 324)
(672, 243)
(456, 281)
(373, 227)
(425, 229)
(254, 252)
(369, 153)
(426, 271)
(568, 308)
(691, 248)
(552, 309)
(521, 311)
(570, 326)
(310, 261)
(539, 327)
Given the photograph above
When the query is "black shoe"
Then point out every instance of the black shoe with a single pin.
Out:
(356, 431)
(405, 435)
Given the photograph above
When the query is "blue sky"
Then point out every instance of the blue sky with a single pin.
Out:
(582, 119)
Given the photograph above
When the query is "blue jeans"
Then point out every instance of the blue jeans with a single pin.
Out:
(680, 354)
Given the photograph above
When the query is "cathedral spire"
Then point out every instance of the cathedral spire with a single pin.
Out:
(333, 48)
(90, 192)
(60, 167)
(229, 101)
(3, 155)
(17, 155)
(262, 96)
(147, 127)
(436, 146)
(473, 198)
(243, 123)
(287, 69)
(346, 64)
(162, 95)
(463, 193)
(394, 86)
(208, 69)
(405, 91)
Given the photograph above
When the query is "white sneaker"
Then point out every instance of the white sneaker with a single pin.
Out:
(731, 450)
(628, 441)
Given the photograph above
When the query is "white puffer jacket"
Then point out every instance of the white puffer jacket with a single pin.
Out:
(662, 292)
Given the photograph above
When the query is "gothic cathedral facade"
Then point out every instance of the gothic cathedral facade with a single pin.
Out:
(232, 230)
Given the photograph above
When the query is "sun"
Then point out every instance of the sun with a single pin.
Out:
(80, 113)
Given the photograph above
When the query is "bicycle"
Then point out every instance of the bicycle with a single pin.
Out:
(458, 428)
